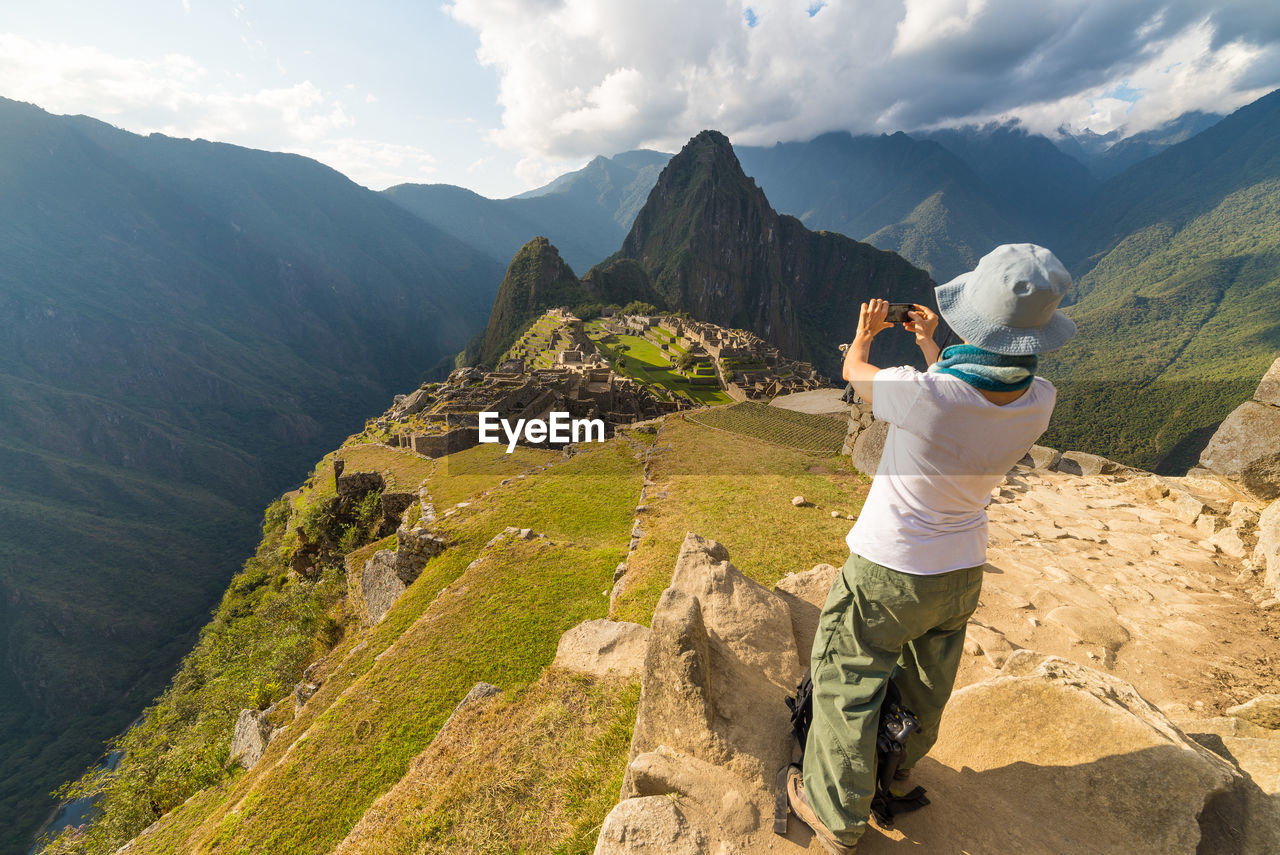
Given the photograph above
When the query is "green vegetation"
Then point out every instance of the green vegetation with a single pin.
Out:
(738, 490)
(558, 769)
(1176, 328)
(186, 326)
(388, 692)
(774, 425)
(646, 363)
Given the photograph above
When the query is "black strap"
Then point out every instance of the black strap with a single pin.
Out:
(885, 805)
(801, 707)
(895, 726)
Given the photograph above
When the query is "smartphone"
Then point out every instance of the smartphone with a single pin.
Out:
(898, 312)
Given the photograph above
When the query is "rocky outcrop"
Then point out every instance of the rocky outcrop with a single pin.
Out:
(602, 648)
(1264, 711)
(249, 741)
(1266, 554)
(712, 726)
(389, 572)
(1054, 755)
(1246, 447)
(869, 447)
(1044, 755)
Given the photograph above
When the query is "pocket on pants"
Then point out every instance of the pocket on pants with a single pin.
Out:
(831, 620)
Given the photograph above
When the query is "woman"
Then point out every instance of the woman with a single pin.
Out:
(899, 607)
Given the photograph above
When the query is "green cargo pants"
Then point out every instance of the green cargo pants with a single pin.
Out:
(879, 623)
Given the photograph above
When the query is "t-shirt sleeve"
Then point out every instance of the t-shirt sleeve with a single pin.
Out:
(894, 392)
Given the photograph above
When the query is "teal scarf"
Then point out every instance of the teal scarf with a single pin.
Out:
(982, 369)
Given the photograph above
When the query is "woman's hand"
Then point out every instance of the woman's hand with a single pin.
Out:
(923, 323)
(871, 320)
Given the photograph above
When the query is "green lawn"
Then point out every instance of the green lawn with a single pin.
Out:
(646, 363)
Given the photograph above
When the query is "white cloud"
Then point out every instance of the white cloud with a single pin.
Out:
(579, 77)
(175, 95)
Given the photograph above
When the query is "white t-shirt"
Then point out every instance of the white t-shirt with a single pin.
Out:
(947, 448)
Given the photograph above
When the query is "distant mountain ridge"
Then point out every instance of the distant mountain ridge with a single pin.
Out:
(585, 213)
(184, 325)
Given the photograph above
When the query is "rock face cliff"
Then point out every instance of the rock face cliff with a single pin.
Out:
(713, 246)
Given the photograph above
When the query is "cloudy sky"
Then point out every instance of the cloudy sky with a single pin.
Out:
(503, 95)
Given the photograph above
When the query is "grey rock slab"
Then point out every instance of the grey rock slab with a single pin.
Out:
(249, 741)
(654, 825)
(869, 447)
(1246, 449)
(602, 648)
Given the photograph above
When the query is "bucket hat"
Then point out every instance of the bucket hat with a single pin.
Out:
(1009, 303)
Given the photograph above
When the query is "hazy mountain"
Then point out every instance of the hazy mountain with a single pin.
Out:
(896, 192)
(1109, 154)
(712, 245)
(184, 326)
(1180, 291)
(586, 213)
(1034, 185)
(620, 184)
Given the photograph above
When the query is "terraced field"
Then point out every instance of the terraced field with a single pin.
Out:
(802, 431)
(645, 362)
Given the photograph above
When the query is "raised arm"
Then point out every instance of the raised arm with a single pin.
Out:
(858, 370)
(924, 321)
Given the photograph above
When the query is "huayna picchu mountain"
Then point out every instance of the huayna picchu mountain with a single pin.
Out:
(711, 245)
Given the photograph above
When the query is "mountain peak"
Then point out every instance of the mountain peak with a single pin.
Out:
(537, 279)
(713, 246)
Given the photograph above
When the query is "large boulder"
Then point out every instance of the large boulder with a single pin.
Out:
(389, 572)
(1246, 446)
(1055, 757)
(1083, 463)
(712, 724)
(603, 648)
(249, 741)
(1266, 555)
(869, 447)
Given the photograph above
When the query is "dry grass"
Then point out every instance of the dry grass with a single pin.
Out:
(529, 771)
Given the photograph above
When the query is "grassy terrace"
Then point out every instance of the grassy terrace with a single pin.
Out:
(738, 490)
(537, 768)
(387, 695)
(801, 431)
(646, 363)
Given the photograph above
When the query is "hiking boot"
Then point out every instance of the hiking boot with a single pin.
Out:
(800, 807)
